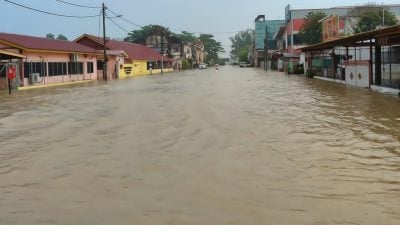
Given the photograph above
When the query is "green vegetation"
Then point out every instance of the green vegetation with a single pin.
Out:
(59, 37)
(186, 36)
(186, 65)
(139, 36)
(50, 36)
(62, 37)
(371, 16)
(223, 61)
(241, 44)
(310, 74)
(311, 32)
(212, 47)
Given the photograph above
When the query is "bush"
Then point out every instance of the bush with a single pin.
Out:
(186, 65)
(310, 74)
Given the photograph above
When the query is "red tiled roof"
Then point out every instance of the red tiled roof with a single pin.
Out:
(38, 43)
(134, 51)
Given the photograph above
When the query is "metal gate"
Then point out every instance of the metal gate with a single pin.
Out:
(15, 83)
(357, 74)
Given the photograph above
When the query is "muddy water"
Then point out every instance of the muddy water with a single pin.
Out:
(233, 147)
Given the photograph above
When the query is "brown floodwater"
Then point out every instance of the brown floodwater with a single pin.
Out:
(237, 146)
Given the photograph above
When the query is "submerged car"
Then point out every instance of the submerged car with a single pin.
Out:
(202, 66)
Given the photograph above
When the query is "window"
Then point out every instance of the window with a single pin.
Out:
(57, 68)
(100, 65)
(2, 70)
(35, 67)
(90, 68)
(154, 65)
(298, 39)
(75, 68)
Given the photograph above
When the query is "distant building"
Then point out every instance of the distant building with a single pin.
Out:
(199, 53)
(138, 60)
(338, 23)
(333, 28)
(264, 38)
(295, 21)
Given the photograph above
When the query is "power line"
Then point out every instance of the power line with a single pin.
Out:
(49, 13)
(126, 20)
(177, 30)
(82, 6)
(116, 24)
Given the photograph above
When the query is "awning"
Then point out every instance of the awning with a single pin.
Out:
(10, 55)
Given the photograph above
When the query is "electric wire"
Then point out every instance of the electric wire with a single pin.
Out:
(124, 19)
(177, 30)
(49, 13)
(78, 5)
(116, 24)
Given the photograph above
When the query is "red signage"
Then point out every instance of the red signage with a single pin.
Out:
(11, 73)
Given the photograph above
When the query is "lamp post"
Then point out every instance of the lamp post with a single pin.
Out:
(104, 44)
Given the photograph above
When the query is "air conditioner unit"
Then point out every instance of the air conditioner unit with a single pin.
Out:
(34, 78)
(73, 57)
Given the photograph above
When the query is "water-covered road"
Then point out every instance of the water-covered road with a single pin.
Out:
(237, 146)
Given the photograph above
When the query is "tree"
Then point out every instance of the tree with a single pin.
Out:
(62, 37)
(243, 53)
(311, 32)
(186, 36)
(186, 64)
(371, 16)
(139, 36)
(241, 43)
(223, 61)
(212, 47)
(50, 36)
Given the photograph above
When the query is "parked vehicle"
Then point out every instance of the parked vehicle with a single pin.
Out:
(243, 64)
(202, 66)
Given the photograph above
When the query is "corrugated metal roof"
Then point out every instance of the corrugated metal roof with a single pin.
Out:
(38, 43)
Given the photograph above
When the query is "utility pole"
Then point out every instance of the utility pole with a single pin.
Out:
(162, 52)
(104, 44)
(266, 49)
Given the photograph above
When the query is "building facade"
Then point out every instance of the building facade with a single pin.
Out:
(43, 61)
(264, 39)
(295, 19)
(128, 59)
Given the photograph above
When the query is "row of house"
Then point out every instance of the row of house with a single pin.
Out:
(164, 42)
(368, 60)
(42, 61)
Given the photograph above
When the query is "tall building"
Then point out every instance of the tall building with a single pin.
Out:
(264, 37)
(265, 31)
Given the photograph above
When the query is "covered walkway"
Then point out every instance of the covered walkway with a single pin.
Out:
(363, 60)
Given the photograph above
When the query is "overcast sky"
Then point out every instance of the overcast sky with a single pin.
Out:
(219, 17)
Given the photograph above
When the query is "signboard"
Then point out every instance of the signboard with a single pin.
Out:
(11, 73)
(288, 15)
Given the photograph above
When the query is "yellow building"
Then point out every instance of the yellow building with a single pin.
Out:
(140, 59)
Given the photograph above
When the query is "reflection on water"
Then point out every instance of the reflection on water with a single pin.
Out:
(235, 146)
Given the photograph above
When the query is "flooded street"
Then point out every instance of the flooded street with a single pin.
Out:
(237, 146)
